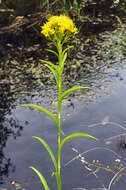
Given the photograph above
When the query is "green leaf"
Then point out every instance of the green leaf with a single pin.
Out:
(48, 149)
(50, 63)
(64, 58)
(43, 181)
(55, 74)
(54, 52)
(69, 91)
(67, 49)
(73, 136)
(41, 109)
(62, 62)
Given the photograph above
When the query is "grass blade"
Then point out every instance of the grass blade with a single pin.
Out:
(48, 149)
(47, 4)
(41, 109)
(43, 181)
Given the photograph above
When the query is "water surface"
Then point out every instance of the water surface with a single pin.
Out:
(100, 113)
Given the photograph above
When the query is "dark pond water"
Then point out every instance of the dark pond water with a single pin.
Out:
(101, 113)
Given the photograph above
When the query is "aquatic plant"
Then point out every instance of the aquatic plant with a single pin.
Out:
(59, 30)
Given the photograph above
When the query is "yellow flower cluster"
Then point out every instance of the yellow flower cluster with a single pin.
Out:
(58, 25)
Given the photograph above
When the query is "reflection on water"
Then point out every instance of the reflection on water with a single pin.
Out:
(9, 126)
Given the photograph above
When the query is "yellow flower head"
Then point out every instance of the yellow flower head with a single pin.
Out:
(58, 26)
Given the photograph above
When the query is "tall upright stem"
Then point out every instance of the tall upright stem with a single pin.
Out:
(59, 132)
(59, 48)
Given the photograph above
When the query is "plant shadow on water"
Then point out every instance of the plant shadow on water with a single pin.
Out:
(102, 119)
(9, 127)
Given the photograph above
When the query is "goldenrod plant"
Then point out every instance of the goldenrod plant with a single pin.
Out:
(58, 30)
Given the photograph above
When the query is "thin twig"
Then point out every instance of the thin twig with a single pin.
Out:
(96, 148)
(54, 2)
(78, 189)
(115, 177)
(87, 166)
(113, 137)
(108, 122)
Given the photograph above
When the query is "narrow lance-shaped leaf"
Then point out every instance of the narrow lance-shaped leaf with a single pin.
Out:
(69, 47)
(43, 181)
(53, 43)
(55, 74)
(63, 60)
(73, 136)
(69, 91)
(76, 5)
(48, 149)
(54, 52)
(41, 109)
(50, 63)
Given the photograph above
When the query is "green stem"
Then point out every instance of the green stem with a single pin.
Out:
(59, 126)
(60, 51)
(58, 179)
(59, 48)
